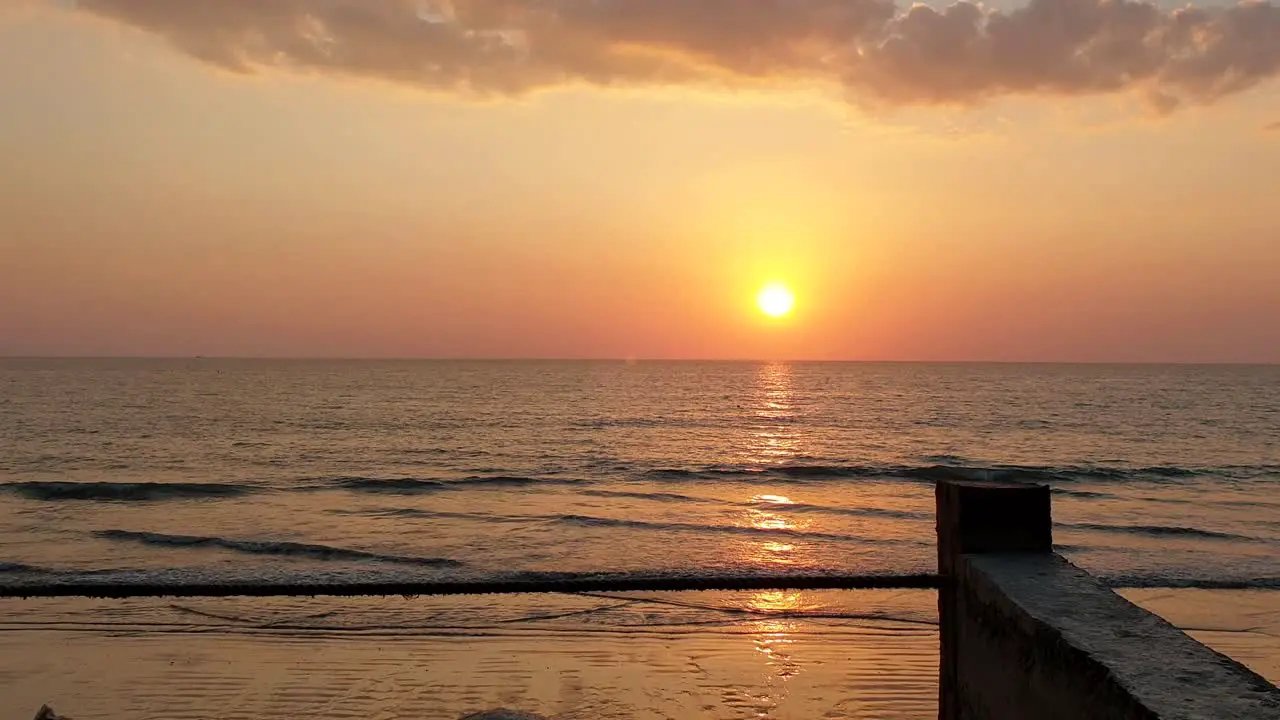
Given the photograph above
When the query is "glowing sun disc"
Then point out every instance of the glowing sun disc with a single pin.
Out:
(775, 301)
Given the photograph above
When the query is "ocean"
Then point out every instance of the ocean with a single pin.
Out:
(1165, 485)
(315, 471)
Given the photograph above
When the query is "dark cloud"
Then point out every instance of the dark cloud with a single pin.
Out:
(961, 53)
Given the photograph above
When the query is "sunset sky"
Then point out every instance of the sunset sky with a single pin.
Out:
(1063, 181)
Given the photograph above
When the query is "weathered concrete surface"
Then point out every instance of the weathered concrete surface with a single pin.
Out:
(1041, 638)
(1027, 635)
(979, 517)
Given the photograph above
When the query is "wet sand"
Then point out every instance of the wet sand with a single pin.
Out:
(327, 659)
(1241, 624)
(865, 654)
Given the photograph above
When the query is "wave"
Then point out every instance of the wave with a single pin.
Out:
(410, 486)
(1061, 477)
(441, 515)
(848, 512)
(991, 473)
(1047, 474)
(667, 497)
(118, 491)
(692, 574)
(593, 521)
(270, 547)
(772, 473)
(175, 578)
(637, 422)
(789, 507)
(1160, 531)
(1084, 494)
(389, 485)
(675, 474)
(605, 522)
(166, 583)
(1159, 582)
(656, 497)
(822, 471)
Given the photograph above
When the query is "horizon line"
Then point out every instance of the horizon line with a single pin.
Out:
(633, 360)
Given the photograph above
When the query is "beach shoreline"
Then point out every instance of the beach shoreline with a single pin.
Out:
(647, 655)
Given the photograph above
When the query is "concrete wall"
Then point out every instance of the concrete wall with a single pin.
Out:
(1026, 635)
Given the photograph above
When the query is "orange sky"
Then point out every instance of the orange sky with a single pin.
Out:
(1063, 181)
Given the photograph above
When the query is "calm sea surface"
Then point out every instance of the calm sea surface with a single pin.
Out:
(216, 469)
(199, 470)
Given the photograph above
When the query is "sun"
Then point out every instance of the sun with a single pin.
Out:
(775, 300)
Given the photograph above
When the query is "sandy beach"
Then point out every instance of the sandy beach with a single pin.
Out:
(1241, 624)
(313, 658)
(864, 654)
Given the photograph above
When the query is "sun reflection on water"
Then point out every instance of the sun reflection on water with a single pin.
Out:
(775, 601)
(769, 521)
(772, 437)
(771, 554)
(773, 499)
(774, 440)
(773, 639)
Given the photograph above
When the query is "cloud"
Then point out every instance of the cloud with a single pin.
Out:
(878, 53)
(1272, 127)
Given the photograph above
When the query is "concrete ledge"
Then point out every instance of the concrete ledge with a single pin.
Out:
(1041, 638)
(1026, 635)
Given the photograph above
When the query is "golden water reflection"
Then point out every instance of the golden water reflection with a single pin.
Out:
(773, 640)
(774, 439)
(773, 499)
(769, 521)
(775, 601)
(769, 552)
